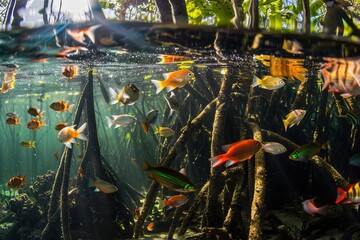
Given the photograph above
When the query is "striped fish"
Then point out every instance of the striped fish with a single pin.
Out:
(169, 178)
(351, 195)
(306, 151)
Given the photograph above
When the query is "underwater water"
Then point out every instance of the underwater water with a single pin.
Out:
(291, 175)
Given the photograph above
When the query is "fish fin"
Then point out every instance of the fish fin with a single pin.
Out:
(226, 147)
(96, 189)
(113, 96)
(159, 85)
(340, 195)
(41, 114)
(68, 144)
(162, 203)
(109, 121)
(146, 166)
(286, 124)
(145, 126)
(216, 160)
(125, 96)
(165, 75)
(256, 81)
(70, 107)
(90, 32)
(118, 125)
(230, 162)
(323, 210)
(346, 95)
(170, 88)
(81, 133)
(326, 75)
(33, 144)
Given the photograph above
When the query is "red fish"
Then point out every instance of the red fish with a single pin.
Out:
(351, 195)
(174, 201)
(236, 152)
(310, 207)
(16, 182)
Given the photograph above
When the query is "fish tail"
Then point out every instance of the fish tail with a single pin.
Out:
(80, 132)
(217, 160)
(326, 75)
(162, 203)
(113, 96)
(145, 166)
(256, 81)
(70, 107)
(340, 195)
(41, 114)
(323, 210)
(286, 124)
(110, 122)
(159, 85)
(90, 32)
(145, 126)
(32, 144)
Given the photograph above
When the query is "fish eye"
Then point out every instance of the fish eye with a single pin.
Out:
(294, 155)
(190, 74)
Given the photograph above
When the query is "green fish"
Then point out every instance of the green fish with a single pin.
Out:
(306, 151)
(169, 178)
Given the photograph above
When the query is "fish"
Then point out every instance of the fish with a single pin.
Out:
(66, 51)
(150, 227)
(164, 132)
(292, 46)
(172, 102)
(174, 201)
(167, 58)
(268, 82)
(310, 208)
(273, 148)
(236, 152)
(150, 119)
(136, 213)
(13, 121)
(61, 106)
(159, 226)
(28, 144)
(355, 160)
(169, 178)
(35, 112)
(70, 71)
(67, 135)
(56, 155)
(351, 195)
(305, 152)
(35, 124)
(11, 114)
(60, 125)
(102, 185)
(7, 85)
(293, 118)
(16, 182)
(173, 80)
(120, 120)
(128, 95)
(81, 35)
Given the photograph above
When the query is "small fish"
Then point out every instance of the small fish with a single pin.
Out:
(35, 124)
(169, 178)
(16, 182)
(13, 121)
(174, 201)
(28, 144)
(292, 46)
(150, 227)
(137, 213)
(268, 82)
(66, 51)
(35, 112)
(355, 160)
(120, 120)
(56, 155)
(126, 96)
(351, 195)
(164, 132)
(70, 71)
(236, 152)
(173, 80)
(61, 106)
(273, 148)
(79, 34)
(150, 119)
(173, 59)
(293, 118)
(102, 185)
(182, 171)
(172, 102)
(67, 135)
(7, 85)
(305, 152)
(310, 207)
(11, 114)
(60, 125)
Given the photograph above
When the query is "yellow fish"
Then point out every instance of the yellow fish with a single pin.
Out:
(67, 135)
(294, 118)
(164, 132)
(173, 80)
(126, 96)
(268, 82)
(28, 144)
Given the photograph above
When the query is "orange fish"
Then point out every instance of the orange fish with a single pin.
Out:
(150, 227)
(174, 201)
(35, 112)
(173, 80)
(70, 71)
(68, 50)
(61, 106)
(16, 182)
(13, 121)
(67, 135)
(60, 125)
(35, 124)
(7, 85)
(173, 59)
(236, 152)
(79, 34)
